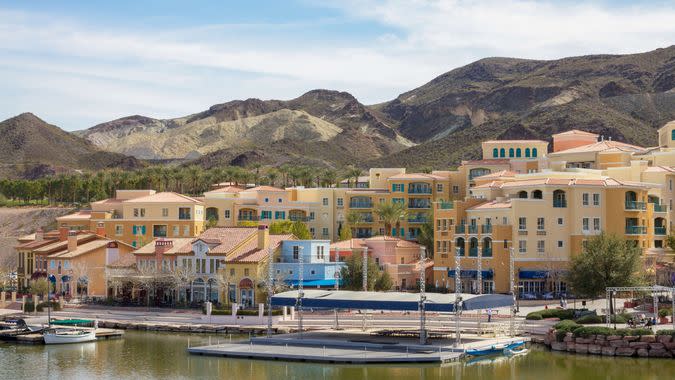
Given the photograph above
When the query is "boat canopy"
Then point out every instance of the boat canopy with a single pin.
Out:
(345, 299)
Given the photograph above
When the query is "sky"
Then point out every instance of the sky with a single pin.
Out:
(79, 63)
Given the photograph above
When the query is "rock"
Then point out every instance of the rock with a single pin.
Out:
(568, 338)
(614, 337)
(594, 349)
(664, 338)
(570, 347)
(624, 351)
(639, 345)
(659, 353)
(600, 338)
(631, 338)
(670, 346)
(648, 338)
(581, 348)
(643, 352)
(584, 340)
(656, 346)
(558, 346)
(608, 351)
(618, 343)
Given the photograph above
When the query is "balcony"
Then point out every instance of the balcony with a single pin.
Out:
(487, 252)
(419, 190)
(660, 208)
(418, 219)
(659, 230)
(473, 228)
(299, 218)
(636, 206)
(560, 203)
(486, 229)
(419, 204)
(636, 230)
(473, 252)
(460, 228)
(360, 204)
(446, 205)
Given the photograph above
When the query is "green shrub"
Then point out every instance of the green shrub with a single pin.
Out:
(666, 332)
(29, 307)
(585, 332)
(590, 319)
(664, 313)
(640, 332)
(534, 316)
(618, 318)
(563, 327)
(562, 314)
(42, 306)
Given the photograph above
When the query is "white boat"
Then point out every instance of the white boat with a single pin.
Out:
(61, 336)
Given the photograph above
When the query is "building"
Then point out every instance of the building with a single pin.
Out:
(319, 271)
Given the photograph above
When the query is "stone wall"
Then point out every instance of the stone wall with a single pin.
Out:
(652, 346)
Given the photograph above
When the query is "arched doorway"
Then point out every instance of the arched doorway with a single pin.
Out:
(246, 293)
(522, 194)
(537, 194)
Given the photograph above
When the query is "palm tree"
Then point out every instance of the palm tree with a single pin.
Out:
(353, 172)
(391, 213)
(272, 174)
(329, 177)
(256, 175)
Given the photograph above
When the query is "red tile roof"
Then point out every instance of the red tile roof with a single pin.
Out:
(265, 188)
(250, 253)
(164, 197)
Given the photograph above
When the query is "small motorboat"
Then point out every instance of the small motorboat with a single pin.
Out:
(495, 349)
(516, 352)
(62, 336)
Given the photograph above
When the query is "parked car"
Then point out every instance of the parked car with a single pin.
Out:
(547, 296)
(528, 296)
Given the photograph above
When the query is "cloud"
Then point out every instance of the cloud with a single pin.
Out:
(77, 74)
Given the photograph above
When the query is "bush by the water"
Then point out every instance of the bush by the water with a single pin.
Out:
(585, 332)
(561, 314)
(563, 327)
(666, 332)
(664, 313)
(29, 307)
(241, 312)
(589, 319)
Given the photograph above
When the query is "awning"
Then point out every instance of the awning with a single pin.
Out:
(533, 274)
(313, 282)
(397, 301)
(52, 278)
(470, 273)
(65, 278)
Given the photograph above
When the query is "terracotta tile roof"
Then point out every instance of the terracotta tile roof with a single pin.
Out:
(264, 188)
(80, 215)
(34, 244)
(421, 176)
(81, 249)
(164, 197)
(180, 245)
(491, 205)
(402, 243)
(348, 244)
(109, 201)
(601, 146)
(575, 132)
(124, 262)
(227, 238)
(605, 182)
(514, 141)
(81, 239)
(499, 174)
(250, 252)
(227, 189)
(659, 169)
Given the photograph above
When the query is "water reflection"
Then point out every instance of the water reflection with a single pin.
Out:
(145, 355)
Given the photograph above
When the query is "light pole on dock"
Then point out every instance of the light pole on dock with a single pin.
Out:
(423, 296)
(301, 292)
(458, 297)
(513, 294)
(270, 289)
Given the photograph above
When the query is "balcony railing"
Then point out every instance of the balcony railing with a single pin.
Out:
(487, 252)
(419, 205)
(473, 252)
(486, 229)
(360, 204)
(460, 229)
(660, 208)
(636, 230)
(446, 205)
(417, 219)
(634, 205)
(419, 190)
(473, 228)
(560, 203)
(299, 218)
(659, 230)
(249, 217)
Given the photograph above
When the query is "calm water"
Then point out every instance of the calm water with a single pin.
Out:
(146, 355)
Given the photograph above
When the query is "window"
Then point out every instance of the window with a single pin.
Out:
(186, 230)
(142, 212)
(540, 224)
(280, 215)
(561, 221)
(398, 200)
(325, 201)
(584, 223)
(231, 272)
(311, 231)
(672, 134)
(159, 230)
(504, 220)
(540, 246)
(296, 252)
(266, 215)
(176, 231)
(136, 213)
(119, 229)
(324, 231)
(52, 264)
(246, 270)
(439, 187)
(670, 181)
(596, 199)
(267, 200)
(584, 244)
(312, 272)
(165, 212)
(184, 213)
(279, 200)
(511, 152)
(522, 223)
(455, 189)
(320, 253)
(397, 187)
(502, 152)
(138, 230)
(596, 224)
(560, 244)
(340, 202)
(534, 152)
(495, 153)
(227, 214)
(527, 152)
(506, 243)
(584, 198)
(518, 152)
(522, 246)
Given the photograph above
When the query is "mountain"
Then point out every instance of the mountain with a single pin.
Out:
(30, 148)
(333, 120)
(626, 97)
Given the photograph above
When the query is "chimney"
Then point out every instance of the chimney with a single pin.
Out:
(162, 246)
(63, 233)
(72, 241)
(39, 234)
(100, 229)
(263, 237)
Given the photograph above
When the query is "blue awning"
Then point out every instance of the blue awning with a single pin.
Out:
(470, 273)
(52, 278)
(313, 282)
(533, 274)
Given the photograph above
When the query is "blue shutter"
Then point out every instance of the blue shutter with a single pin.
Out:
(143, 230)
(393, 232)
(133, 229)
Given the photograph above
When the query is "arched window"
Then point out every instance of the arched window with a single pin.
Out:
(522, 194)
(495, 153)
(460, 245)
(502, 152)
(672, 134)
(518, 152)
(534, 152)
(527, 152)
(537, 194)
(473, 247)
(510, 152)
(487, 247)
(559, 199)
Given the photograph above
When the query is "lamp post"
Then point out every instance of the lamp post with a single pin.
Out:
(301, 292)
(458, 297)
(365, 269)
(511, 286)
(423, 297)
(337, 287)
(270, 289)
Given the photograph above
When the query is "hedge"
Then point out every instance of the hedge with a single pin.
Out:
(664, 313)
(589, 319)
(29, 307)
(563, 327)
(597, 330)
(562, 314)
(241, 312)
(666, 332)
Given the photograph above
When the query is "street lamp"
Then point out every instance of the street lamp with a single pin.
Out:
(301, 292)
(337, 287)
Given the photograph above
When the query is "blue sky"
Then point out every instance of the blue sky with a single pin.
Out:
(79, 63)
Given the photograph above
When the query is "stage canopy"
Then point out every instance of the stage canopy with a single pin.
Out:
(344, 299)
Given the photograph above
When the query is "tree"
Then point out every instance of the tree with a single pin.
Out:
(40, 287)
(300, 231)
(353, 172)
(297, 228)
(211, 222)
(80, 273)
(352, 273)
(606, 261)
(391, 213)
(353, 218)
(345, 233)
(383, 282)
(670, 241)
(426, 235)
